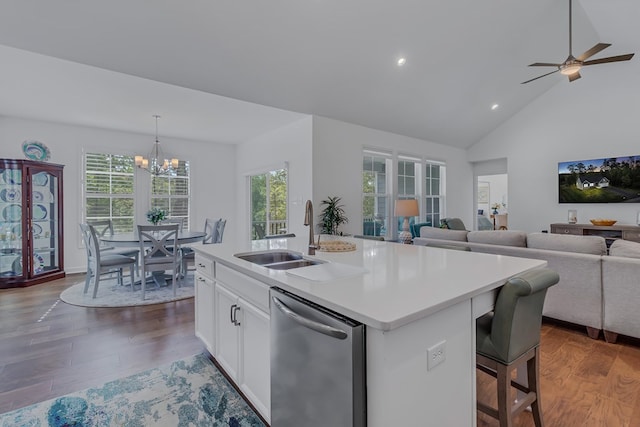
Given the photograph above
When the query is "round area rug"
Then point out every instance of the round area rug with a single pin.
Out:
(111, 294)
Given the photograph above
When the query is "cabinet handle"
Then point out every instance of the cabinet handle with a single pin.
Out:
(232, 313)
(235, 316)
(201, 265)
(200, 279)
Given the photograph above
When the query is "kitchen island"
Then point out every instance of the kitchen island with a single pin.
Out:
(414, 301)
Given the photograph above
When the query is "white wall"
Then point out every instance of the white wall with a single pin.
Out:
(594, 117)
(211, 166)
(337, 167)
(290, 144)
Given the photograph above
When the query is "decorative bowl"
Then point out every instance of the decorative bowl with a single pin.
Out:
(600, 221)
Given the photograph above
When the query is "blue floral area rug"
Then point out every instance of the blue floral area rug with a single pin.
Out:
(112, 294)
(189, 392)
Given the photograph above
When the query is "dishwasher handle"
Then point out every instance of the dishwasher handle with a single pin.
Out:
(311, 324)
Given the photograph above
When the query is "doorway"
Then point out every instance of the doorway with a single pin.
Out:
(492, 202)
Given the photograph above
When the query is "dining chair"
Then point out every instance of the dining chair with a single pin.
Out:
(510, 336)
(210, 236)
(220, 230)
(99, 262)
(159, 249)
(179, 221)
(104, 228)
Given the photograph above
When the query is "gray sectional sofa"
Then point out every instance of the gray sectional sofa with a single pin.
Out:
(598, 290)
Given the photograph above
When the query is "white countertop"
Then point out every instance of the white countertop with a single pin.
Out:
(403, 283)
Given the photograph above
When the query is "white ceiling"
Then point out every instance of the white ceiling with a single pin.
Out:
(195, 62)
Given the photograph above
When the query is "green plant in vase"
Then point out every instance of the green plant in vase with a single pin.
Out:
(155, 215)
(332, 216)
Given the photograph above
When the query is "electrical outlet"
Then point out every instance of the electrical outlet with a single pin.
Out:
(436, 355)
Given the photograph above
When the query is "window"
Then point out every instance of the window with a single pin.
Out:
(434, 192)
(409, 182)
(269, 206)
(172, 193)
(109, 189)
(375, 193)
(415, 178)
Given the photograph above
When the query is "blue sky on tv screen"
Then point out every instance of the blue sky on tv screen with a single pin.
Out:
(597, 163)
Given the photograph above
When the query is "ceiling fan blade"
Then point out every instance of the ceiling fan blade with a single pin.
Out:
(597, 48)
(539, 77)
(574, 76)
(544, 64)
(609, 59)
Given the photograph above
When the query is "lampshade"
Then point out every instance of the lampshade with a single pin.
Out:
(407, 207)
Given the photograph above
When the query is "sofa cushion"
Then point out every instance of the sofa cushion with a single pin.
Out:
(453, 223)
(594, 245)
(501, 237)
(444, 234)
(625, 248)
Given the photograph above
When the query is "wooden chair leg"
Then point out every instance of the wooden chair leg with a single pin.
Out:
(504, 395)
(533, 377)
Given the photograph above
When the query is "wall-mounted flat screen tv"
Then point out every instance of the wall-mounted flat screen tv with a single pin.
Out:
(606, 180)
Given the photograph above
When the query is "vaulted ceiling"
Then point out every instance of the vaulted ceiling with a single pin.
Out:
(204, 64)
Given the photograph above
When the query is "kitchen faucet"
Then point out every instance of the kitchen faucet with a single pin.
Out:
(308, 220)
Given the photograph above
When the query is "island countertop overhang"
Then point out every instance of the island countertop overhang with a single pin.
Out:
(402, 283)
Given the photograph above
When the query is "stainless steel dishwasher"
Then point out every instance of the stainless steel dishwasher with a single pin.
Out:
(317, 365)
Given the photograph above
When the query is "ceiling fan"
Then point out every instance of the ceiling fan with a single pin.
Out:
(572, 65)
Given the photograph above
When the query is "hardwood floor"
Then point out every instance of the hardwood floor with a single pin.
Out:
(49, 348)
(584, 382)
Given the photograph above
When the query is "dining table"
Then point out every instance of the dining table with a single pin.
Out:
(132, 240)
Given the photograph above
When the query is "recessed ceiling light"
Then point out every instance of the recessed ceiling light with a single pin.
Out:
(402, 61)
(494, 106)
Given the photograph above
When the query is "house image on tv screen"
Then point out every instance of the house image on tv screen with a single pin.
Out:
(594, 179)
(605, 180)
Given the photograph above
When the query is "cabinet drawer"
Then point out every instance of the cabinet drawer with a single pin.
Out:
(566, 230)
(632, 235)
(204, 265)
(248, 288)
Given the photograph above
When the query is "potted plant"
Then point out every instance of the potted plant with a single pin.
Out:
(155, 215)
(332, 216)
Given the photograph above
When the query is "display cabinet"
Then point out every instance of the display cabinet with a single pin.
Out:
(31, 229)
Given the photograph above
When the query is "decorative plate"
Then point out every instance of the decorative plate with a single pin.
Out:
(10, 195)
(39, 212)
(41, 178)
(36, 150)
(12, 176)
(38, 265)
(17, 231)
(38, 196)
(12, 213)
(37, 230)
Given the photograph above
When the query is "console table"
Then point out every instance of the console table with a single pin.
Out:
(610, 232)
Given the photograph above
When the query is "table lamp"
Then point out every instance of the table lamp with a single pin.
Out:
(406, 208)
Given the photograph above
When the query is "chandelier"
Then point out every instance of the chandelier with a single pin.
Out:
(156, 164)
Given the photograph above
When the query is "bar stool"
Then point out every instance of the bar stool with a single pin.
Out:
(510, 336)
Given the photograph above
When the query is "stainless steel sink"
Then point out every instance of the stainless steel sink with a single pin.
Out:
(293, 264)
(278, 259)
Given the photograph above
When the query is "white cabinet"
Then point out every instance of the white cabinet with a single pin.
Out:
(227, 330)
(255, 356)
(232, 319)
(204, 311)
(242, 345)
(205, 302)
